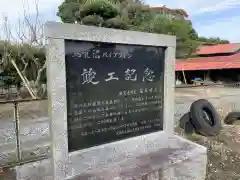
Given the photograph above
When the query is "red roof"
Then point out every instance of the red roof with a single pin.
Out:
(206, 63)
(217, 49)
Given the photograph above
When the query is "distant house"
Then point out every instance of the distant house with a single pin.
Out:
(171, 13)
(216, 62)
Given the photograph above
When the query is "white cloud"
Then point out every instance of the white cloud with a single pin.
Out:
(223, 5)
(14, 9)
(225, 28)
(194, 7)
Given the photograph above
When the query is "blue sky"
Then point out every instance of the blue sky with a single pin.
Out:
(211, 18)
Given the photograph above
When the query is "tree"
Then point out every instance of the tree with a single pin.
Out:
(213, 40)
(176, 13)
(183, 30)
(129, 15)
(22, 56)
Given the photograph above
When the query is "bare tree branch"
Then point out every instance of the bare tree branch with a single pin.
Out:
(40, 71)
(28, 31)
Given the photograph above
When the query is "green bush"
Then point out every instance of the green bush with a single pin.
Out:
(21, 54)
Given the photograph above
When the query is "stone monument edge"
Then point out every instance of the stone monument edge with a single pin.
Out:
(55, 34)
(57, 107)
(57, 30)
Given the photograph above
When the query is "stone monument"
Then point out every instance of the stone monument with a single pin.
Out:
(111, 102)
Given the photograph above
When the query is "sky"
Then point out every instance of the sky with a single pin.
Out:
(211, 18)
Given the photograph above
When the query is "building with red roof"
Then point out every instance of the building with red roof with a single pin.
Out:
(218, 49)
(221, 59)
(221, 56)
(170, 12)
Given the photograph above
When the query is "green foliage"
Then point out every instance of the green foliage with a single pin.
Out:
(129, 15)
(94, 20)
(116, 23)
(213, 40)
(8, 77)
(138, 13)
(193, 34)
(186, 35)
(28, 59)
(67, 10)
(103, 8)
(186, 39)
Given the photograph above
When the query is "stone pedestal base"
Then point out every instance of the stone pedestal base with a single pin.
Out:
(192, 169)
(164, 158)
(156, 156)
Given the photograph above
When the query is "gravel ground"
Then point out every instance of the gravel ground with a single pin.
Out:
(222, 150)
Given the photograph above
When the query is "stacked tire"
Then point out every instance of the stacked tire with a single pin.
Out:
(202, 118)
(232, 117)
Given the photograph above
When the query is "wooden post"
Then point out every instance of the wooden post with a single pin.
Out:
(23, 79)
(185, 80)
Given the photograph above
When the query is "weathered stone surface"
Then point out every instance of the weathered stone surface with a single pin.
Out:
(171, 155)
(158, 160)
(41, 170)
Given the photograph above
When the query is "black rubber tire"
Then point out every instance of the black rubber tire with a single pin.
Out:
(186, 124)
(231, 117)
(205, 118)
(184, 119)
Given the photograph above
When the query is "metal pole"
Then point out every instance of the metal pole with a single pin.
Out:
(17, 131)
